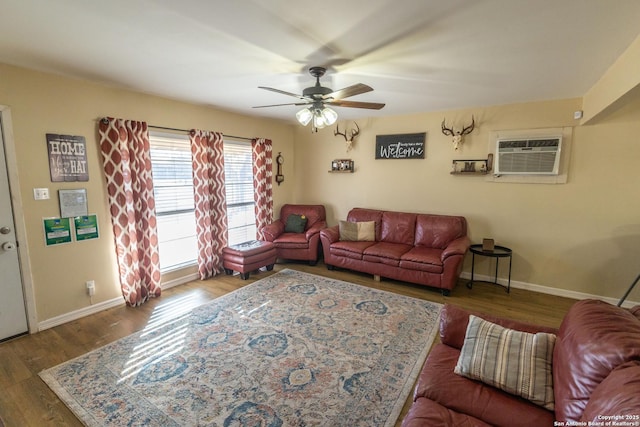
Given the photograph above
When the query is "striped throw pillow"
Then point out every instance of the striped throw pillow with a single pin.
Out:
(513, 361)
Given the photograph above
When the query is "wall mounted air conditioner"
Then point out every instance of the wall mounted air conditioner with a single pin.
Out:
(528, 156)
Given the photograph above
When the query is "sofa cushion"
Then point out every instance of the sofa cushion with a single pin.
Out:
(398, 227)
(594, 338)
(437, 231)
(386, 253)
(364, 231)
(295, 223)
(426, 412)
(491, 405)
(347, 249)
(618, 394)
(514, 361)
(423, 259)
(314, 213)
(291, 241)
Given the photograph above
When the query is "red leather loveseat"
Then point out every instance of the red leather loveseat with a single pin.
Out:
(417, 248)
(595, 374)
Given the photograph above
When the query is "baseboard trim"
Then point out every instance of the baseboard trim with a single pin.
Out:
(77, 314)
(105, 305)
(548, 290)
(180, 281)
(96, 308)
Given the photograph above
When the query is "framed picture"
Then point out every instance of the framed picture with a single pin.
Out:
(342, 165)
(73, 202)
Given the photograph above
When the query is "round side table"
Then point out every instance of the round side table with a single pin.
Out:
(497, 253)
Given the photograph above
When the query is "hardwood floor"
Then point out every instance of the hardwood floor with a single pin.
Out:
(27, 401)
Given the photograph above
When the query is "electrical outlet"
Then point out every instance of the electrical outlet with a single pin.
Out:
(91, 287)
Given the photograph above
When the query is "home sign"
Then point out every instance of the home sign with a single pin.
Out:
(67, 158)
(403, 146)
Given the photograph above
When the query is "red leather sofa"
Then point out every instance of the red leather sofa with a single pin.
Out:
(297, 246)
(596, 374)
(417, 248)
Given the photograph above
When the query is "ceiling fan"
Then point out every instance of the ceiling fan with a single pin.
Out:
(317, 98)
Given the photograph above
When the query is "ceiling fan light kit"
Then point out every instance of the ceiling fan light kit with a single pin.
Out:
(321, 116)
(317, 98)
(329, 116)
(304, 116)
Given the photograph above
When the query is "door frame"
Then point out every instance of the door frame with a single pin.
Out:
(18, 218)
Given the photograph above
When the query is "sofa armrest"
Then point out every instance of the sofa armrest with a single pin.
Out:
(330, 235)
(454, 321)
(315, 228)
(273, 230)
(460, 246)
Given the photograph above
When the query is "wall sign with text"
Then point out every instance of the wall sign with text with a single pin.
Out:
(403, 146)
(86, 227)
(56, 231)
(62, 230)
(67, 158)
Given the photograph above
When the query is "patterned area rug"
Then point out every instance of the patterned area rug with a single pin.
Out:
(293, 349)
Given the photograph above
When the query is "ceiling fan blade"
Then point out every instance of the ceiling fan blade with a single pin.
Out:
(282, 92)
(281, 105)
(356, 89)
(356, 104)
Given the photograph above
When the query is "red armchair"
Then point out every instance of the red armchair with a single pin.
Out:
(298, 246)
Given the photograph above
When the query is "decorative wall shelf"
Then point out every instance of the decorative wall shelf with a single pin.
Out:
(342, 166)
(472, 166)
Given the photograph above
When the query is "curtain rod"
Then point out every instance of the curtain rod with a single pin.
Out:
(189, 130)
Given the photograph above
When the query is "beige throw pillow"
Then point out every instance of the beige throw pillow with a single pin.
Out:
(358, 231)
(513, 361)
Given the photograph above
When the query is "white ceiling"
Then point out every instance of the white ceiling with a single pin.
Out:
(418, 55)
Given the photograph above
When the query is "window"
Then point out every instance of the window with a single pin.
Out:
(175, 207)
(238, 171)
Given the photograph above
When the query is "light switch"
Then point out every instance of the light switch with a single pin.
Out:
(41, 193)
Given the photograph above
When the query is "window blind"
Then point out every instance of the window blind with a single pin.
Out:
(173, 192)
(238, 169)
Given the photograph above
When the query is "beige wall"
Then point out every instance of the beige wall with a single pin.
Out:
(615, 84)
(42, 103)
(582, 236)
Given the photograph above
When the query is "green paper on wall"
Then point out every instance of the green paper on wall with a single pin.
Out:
(86, 227)
(56, 231)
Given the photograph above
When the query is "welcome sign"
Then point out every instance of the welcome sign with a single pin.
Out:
(67, 158)
(403, 146)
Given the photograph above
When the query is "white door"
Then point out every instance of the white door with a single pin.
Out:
(13, 314)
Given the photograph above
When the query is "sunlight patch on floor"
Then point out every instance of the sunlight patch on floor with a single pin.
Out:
(171, 315)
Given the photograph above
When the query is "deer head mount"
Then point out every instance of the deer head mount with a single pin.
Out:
(459, 135)
(349, 135)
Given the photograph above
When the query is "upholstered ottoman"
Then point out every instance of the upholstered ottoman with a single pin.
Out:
(247, 257)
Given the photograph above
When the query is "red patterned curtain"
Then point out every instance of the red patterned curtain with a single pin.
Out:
(207, 154)
(127, 167)
(262, 182)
